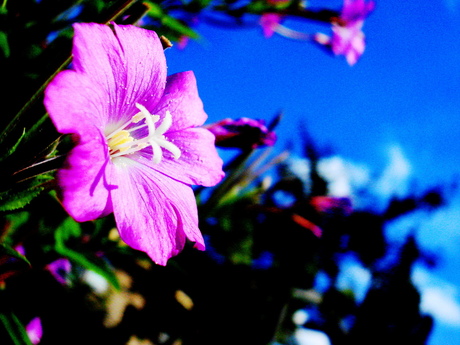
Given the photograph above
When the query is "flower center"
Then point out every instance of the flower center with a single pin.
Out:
(121, 141)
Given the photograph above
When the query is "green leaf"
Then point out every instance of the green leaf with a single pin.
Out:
(155, 10)
(15, 329)
(11, 262)
(178, 26)
(6, 249)
(257, 7)
(23, 193)
(15, 146)
(71, 229)
(4, 46)
(204, 3)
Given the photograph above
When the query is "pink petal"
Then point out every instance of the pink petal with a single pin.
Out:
(128, 64)
(269, 22)
(73, 102)
(77, 106)
(183, 102)
(199, 163)
(34, 330)
(82, 179)
(154, 214)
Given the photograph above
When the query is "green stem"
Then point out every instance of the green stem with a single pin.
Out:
(42, 167)
(15, 329)
(127, 4)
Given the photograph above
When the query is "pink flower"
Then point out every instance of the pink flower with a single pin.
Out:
(347, 38)
(34, 330)
(138, 148)
(242, 133)
(59, 269)
(269, 23)
(330, 204)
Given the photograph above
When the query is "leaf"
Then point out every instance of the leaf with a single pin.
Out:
(15, 146)
(71, 229)
(11, 262)
(15, 329)
(4, 46)
(6, 249)
(23, 193)
(176, 25)
(155, 11)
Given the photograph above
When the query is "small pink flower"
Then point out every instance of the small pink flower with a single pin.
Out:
(34, 330)
(242, 133)
(330, 204)
(138, 145)
(269, 23)
(59, 269)
(347, 37)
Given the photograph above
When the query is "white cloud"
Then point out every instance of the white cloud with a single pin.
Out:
(306, 336)
(347, 178)
(440, 232)
(344, 177)
(354, 276)
(440, 303)
(436, 231)
(439, 298)
(394, 179)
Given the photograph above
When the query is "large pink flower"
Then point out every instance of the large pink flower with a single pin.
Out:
(138, 148)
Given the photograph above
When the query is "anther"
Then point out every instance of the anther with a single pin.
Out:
(121, 141)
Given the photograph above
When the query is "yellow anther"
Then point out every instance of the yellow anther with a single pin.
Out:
(122, 143)
(118, 141)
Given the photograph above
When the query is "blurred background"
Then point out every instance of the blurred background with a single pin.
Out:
(390, 123)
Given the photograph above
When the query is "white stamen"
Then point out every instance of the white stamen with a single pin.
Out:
(121, 141)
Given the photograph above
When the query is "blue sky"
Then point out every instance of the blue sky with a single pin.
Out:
(393, 117)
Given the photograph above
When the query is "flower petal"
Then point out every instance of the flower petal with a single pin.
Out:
(82, 179)
(199, 163)
(154, 214)
(183, 102)
(74, 102)
(128, 63)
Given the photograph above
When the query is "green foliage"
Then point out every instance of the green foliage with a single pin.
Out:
(70, 229)
(10, 151)
(15, 329)
(22, 193)
(4, 45)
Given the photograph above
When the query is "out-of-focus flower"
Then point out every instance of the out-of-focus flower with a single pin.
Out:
(34, 330)
(269, 23)
(59, 269)
(12, 261)
(347, 37)
(183, 42)
(138, 148)
(329, 204)
(242, 133)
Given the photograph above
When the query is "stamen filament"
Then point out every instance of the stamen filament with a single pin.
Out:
(121, 142)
